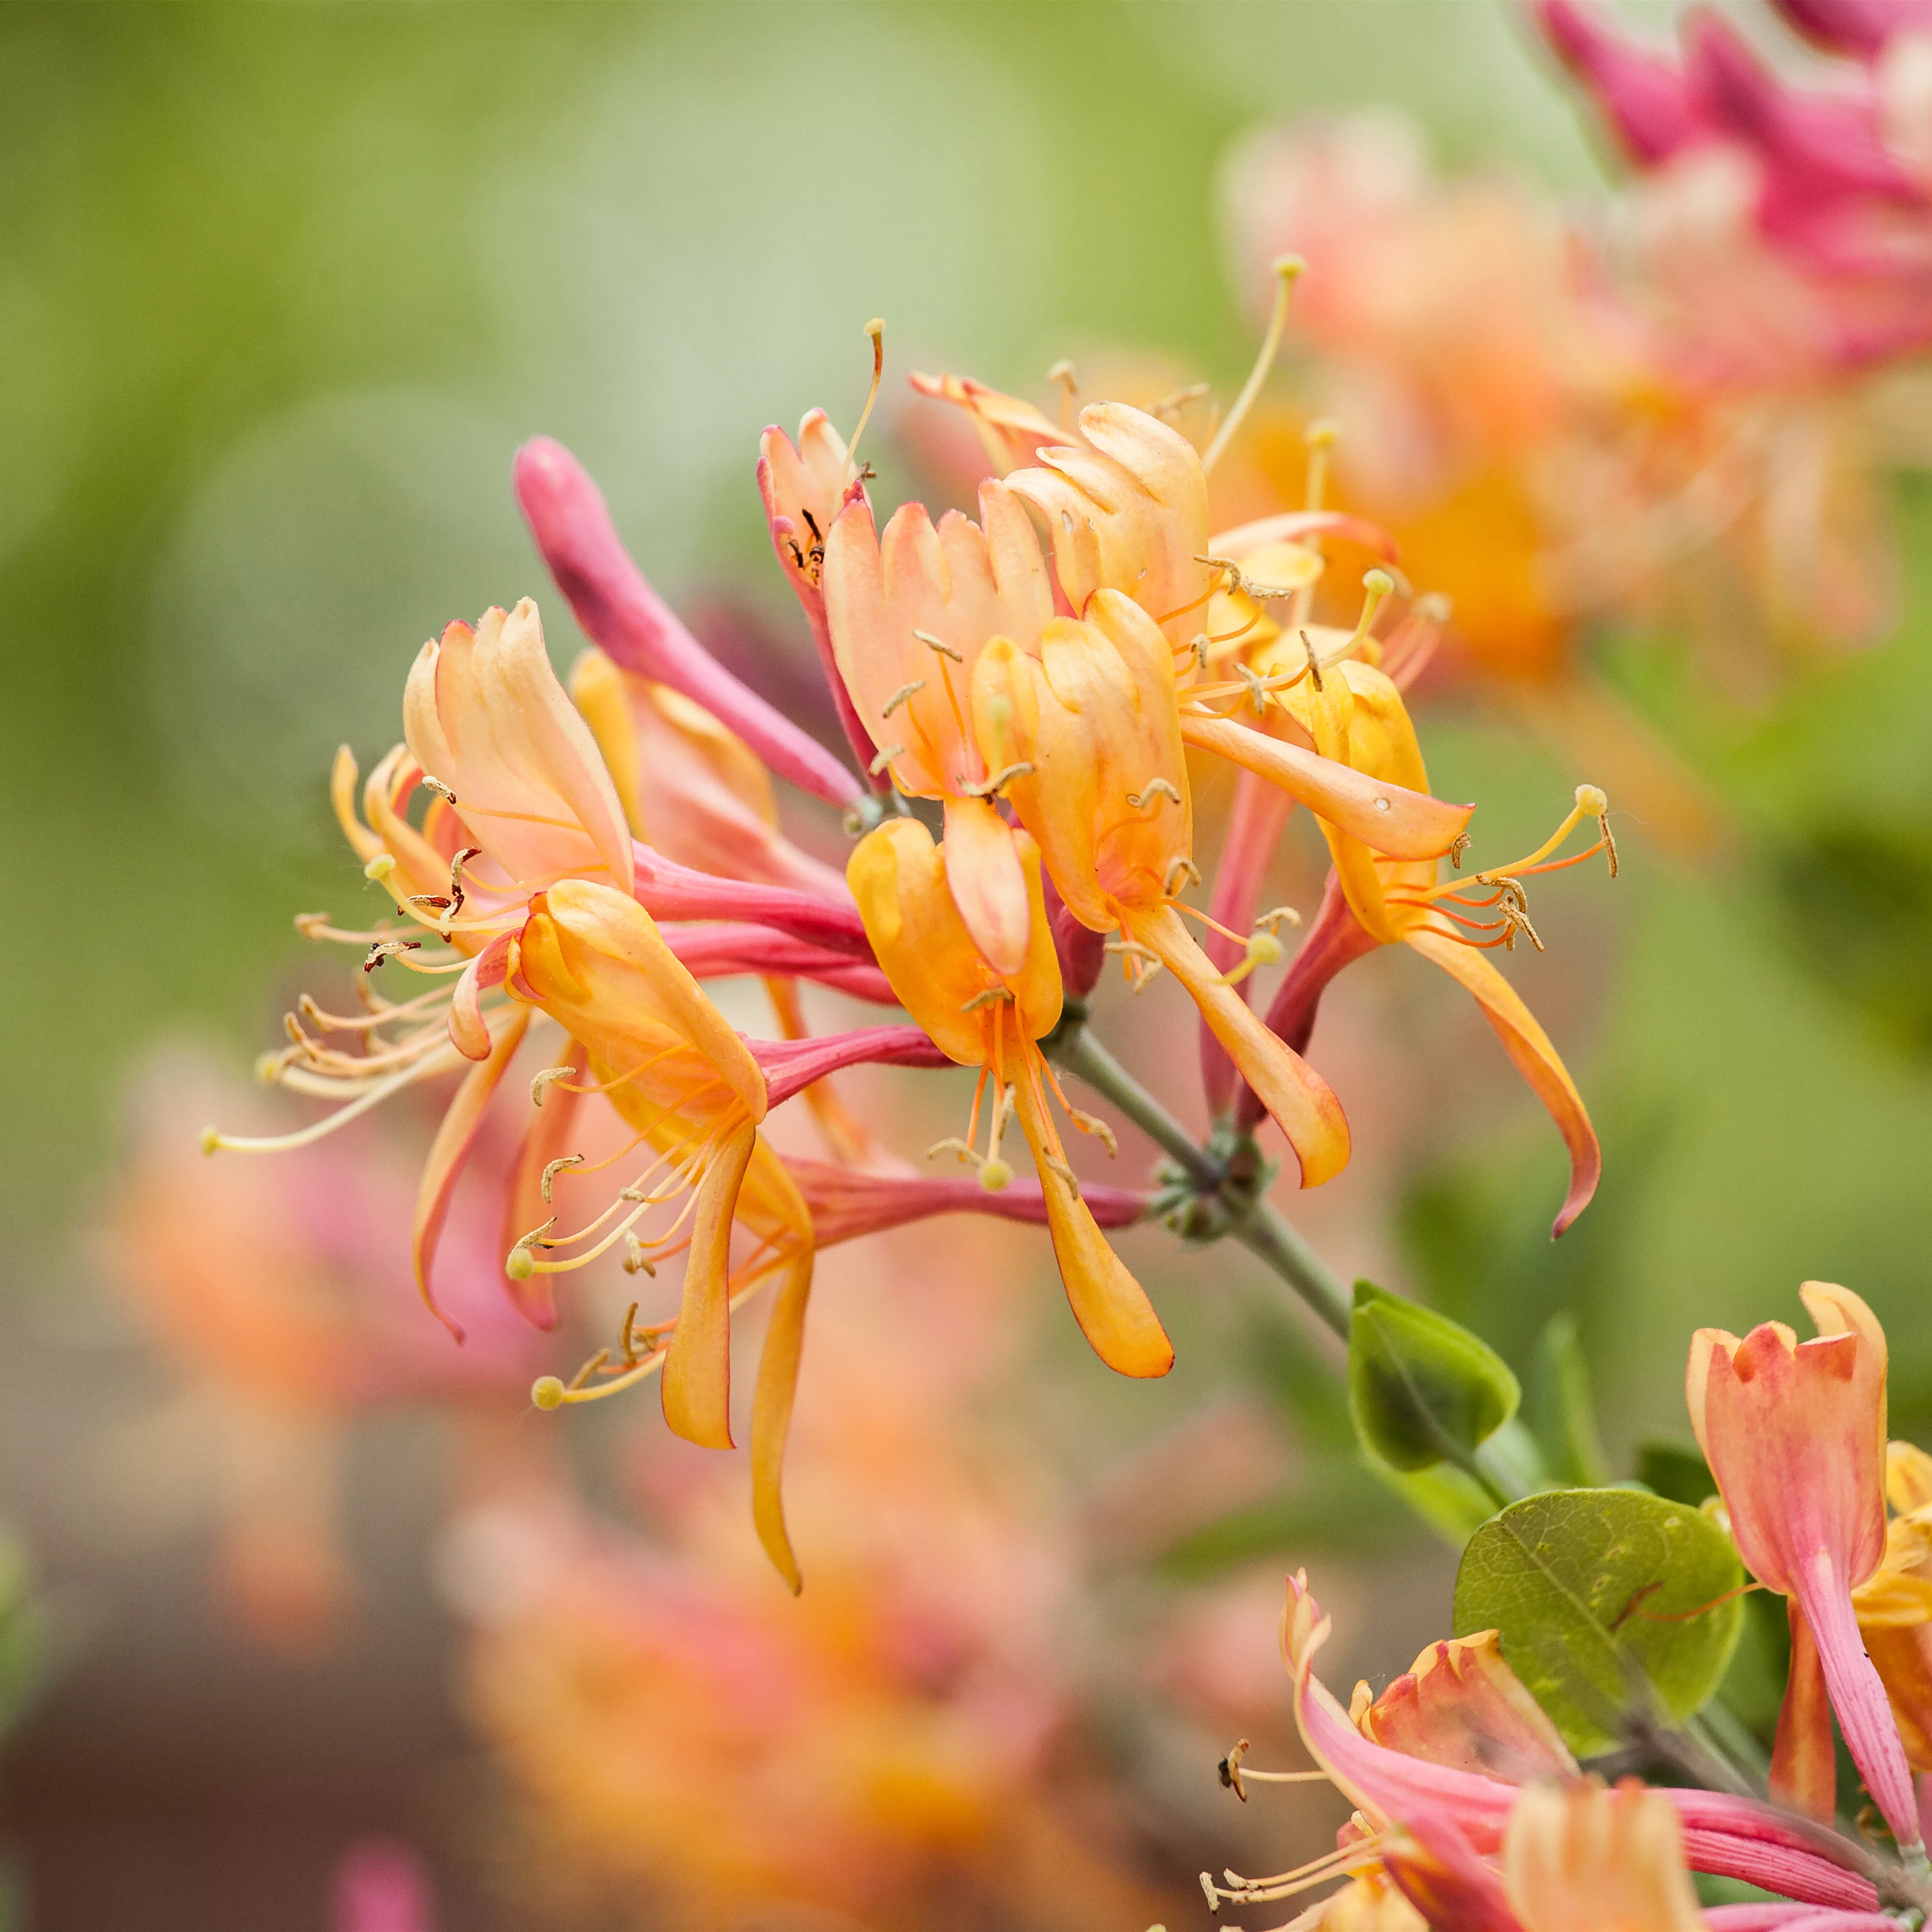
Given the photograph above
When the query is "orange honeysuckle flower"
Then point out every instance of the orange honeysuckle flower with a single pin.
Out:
(1090, 729)
(668, 1062)
(911, 614)
(1354, 713)
(981, 1017)
(1795, 1435)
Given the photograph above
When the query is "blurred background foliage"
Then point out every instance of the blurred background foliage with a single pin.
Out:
(281, 289)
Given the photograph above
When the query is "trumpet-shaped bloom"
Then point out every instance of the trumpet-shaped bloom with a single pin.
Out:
(1355, 714)
(911, 614)
(669, 1062)
(1091, 728)
(1795, 1435)
(981, 1017)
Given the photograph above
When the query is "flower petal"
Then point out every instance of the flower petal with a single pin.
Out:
(1528, 1046)
(987, 882)
(449, 1154)
(697, 1366)
(546, 1138)
(1804, 1756)
(771, 1413)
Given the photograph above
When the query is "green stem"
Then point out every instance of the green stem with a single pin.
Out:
(1256, 1225)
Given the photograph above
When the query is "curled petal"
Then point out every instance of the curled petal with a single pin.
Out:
(1460, 1704)
(771, 1413)
(987, 882)
(1528, 1046)
(1804, 1758)
(697, 1366)
(1387, 818)
(449, 1154)
(546, 1138)
(1644, 96)
(1110, 1305)
(469, 1033)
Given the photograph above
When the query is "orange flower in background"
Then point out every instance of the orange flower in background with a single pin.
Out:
(980, 1017)
(1795, 1435)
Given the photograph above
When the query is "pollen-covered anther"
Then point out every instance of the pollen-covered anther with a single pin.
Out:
(1142, 963)
(1182, 867)
(521, 1263)
(384, 949)
(1457, 848)
(636, 1260)
(1154, 788)
(939, 644)
(899, 697)
(556, 1167)
(991, 996)
(1092, 1123)
(989, 787)
(1276, 916)
(887, 753)
(1171, 404)
(442, 790)
(540, 1083)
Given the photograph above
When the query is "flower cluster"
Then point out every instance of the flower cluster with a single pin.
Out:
(1023, 693)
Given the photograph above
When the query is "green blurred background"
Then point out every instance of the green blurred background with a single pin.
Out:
(282, 288)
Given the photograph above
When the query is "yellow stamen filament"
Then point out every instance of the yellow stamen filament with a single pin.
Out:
(1062, 374)
(876, 329)
(1171, 404)
(1289, 268)
(212, 1137)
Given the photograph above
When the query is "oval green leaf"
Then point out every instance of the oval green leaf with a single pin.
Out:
(1422, 1390)
(1607, 1599)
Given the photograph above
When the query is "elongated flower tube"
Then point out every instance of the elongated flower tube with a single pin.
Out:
(1795, 1435)
(670, 1064)
(621, 613)
(1090, 729)
(980, 1017)
(1356, 715)
(910, 613)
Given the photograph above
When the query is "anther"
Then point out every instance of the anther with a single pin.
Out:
(900, 696)
(1024, 769)
(1175, 401)
(1458, 846)
(1275, 916)
(1230, 1767)
(887, 754)
(556, 1167)
(1153, 787)
(1092, 1123)
(959, 1149)
(544, 1079)
(940, 645)
(383, 948)
(1314, 659)
(379, 867)
(1184, 867)
(635, 1262)
(436, 785)
(992, 996)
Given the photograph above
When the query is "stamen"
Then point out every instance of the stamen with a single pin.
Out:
(212, 1137)
(1024, 769)
(1314, 660)
(1092, 1123)
(876, 329)
(1062, 375)
(1274, 916)
(1263, 950)
(1186, 868)
(900, 696)
(886, 756)
(1175, 401)
(635, 1262)
(380, 867)
(544, 1079)
(940, 645)
(1142, 962)
(556, 1167)
(1457, 848)
(1288, 268)
(1137, 800)
(1233, 1770)
(442, 790)
(996, 1175)
(986, 998)
(953, 1145)
(387, 948)
(1320, 435)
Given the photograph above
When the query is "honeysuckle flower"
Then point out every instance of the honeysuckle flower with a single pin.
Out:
(670, 1064)
(911, 614)
(621, 614)
(1356, 714)
(981, 1017)
(1795, 1435)
(1724, 1835)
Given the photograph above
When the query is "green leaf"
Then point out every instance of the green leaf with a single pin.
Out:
(1422, 1390)
(1605, 1598)
(1677, 1470)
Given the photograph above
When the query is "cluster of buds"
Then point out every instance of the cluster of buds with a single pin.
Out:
(1029, 687)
